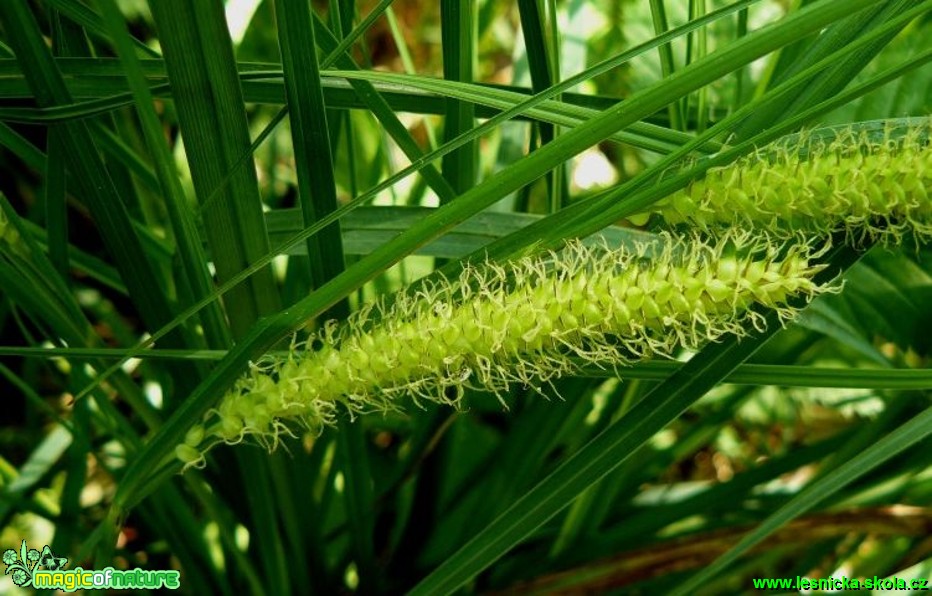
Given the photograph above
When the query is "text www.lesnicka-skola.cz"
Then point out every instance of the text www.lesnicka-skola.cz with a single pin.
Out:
(841, 583)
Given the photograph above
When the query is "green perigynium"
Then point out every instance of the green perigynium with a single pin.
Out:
(8, 234)
(11, 243)
(868, 187)
(526, 322)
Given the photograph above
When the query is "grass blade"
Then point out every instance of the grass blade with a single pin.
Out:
(906, 436)
(205, 87)
(310, 137)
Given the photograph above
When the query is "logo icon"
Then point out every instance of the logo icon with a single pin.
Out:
(23, 564)
(43, 570)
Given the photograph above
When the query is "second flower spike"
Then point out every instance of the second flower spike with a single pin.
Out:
(870, 185)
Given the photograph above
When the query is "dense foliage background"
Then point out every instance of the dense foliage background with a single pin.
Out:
(191, 171)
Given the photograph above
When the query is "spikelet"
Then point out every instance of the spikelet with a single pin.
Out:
(870, 188)
(524, 322)
(12, 244)
(9, 237)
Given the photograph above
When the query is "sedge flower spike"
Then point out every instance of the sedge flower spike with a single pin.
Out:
(871, 187)
(524, 322)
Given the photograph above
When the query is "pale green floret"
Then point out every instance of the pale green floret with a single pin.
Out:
(869, 188)
(189, 452)
(8, 233)
(524, 322)
(11, 242)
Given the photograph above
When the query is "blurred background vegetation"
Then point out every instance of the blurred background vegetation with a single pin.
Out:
(128, 224)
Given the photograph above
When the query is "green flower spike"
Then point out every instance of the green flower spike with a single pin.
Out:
(527, 322)
(873, 187)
